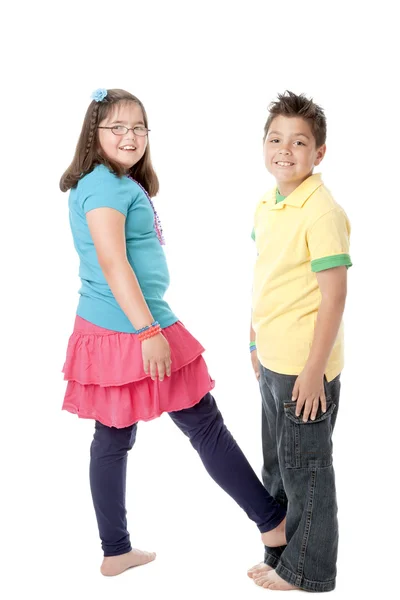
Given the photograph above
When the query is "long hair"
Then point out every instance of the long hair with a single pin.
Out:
(88, 153)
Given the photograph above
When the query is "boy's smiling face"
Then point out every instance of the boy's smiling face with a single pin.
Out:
(290, 152)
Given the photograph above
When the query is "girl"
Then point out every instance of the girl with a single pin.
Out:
(129, 358)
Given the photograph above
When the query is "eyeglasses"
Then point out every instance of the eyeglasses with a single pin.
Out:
(122, 130)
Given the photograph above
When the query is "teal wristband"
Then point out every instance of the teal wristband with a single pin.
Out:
(154, 324)
(252, 346)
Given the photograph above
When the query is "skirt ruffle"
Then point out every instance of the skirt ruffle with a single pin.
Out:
(107, 382)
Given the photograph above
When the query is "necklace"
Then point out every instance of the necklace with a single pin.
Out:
(157, 222)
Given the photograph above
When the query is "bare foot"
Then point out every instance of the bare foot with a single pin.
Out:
(114, 565)
(258, 570)
(272, 581)
(275, 537)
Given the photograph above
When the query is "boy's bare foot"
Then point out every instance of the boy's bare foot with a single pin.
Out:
(272, 581)
(114, 565)
(258, 570)
(275, 537)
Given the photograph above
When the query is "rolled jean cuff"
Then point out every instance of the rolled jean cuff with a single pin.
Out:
(270, 560)
(303, 583)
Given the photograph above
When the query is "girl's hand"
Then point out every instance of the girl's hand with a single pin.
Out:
(309, 391)
(156, 355)
(255, 364)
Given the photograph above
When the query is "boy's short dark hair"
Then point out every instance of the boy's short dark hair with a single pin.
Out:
(289, 104)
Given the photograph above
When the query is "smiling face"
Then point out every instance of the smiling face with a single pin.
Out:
(125, 149)
(290, 152)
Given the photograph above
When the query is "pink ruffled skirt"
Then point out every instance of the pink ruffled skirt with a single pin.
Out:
(107, 382)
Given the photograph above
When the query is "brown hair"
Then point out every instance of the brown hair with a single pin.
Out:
(88, 153)
(289, 104)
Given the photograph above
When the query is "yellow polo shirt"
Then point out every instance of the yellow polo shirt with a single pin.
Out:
(305, 233)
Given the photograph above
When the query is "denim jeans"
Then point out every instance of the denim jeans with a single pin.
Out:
(299, 474)
(223, 459)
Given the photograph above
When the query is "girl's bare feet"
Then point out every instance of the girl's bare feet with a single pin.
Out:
(275, 537)
(272, 581)
(114, 565)
(258, 570)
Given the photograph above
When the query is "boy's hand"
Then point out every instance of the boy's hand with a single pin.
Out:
(309, 391)
(255, 363)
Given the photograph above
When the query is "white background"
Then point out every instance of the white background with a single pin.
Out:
(206, 73)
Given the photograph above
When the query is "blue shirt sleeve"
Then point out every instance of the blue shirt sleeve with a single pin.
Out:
(105, 190)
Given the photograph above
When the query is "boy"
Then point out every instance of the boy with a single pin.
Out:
(299, 292)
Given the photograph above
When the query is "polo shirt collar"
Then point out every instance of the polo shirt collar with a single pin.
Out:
(299, 196)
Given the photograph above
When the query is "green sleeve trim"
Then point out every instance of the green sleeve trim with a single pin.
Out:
(329, 262)
(253, 235)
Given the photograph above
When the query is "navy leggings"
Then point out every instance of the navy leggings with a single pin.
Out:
(220, 454)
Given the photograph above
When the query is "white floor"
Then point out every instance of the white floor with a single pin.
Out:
(204, 542)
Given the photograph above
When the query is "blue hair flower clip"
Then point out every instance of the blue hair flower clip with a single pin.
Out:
(99, 95)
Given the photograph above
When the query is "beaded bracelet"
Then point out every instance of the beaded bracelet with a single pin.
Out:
(154, 324)
(252, 346)
(149, 332)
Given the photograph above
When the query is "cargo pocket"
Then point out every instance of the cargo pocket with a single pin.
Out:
(308, 445)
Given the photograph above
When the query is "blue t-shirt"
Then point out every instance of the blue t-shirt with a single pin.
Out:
(101, 188)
